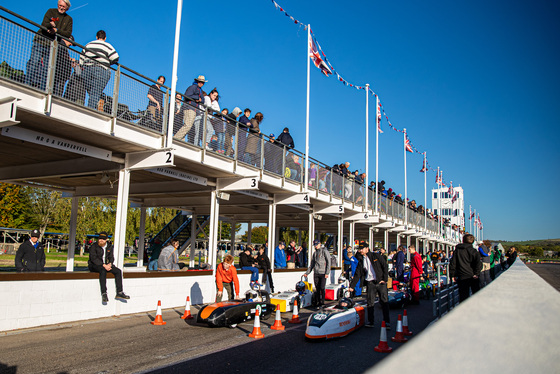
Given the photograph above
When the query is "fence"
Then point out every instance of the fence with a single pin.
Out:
(59, 68)
(446, 298)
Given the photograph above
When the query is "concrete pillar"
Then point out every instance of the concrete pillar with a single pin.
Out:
(141, 237)
(194, 223)
(370, 237)
(310, 238)
(351, 238)
(72, 235)
(272, 238)
(340, 236)
(407, 248)
(120, 221)
(232, 237)
(213, 235)
(398, 240)
(386, 240)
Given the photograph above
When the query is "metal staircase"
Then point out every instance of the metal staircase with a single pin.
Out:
(180, 228)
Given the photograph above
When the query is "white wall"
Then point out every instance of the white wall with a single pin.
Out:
(26, 304)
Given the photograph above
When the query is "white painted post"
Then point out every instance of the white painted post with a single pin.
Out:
(72, 236)
(120, 221)
(141, 237)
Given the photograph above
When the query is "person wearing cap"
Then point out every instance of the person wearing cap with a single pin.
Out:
(321, 266)
(372, 271)
(194, 97)
(30, 255)
(101, 258)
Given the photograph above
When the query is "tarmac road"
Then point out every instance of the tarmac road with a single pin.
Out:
(550, 272)
(130, 344)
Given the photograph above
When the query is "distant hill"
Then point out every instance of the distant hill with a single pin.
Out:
(538, 243)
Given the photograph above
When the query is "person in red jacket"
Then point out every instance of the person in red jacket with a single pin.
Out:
(416, 272)
(226, 277)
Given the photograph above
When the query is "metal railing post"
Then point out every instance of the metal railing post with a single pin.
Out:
(165, 123)
(50, 75)
(262, 153)
(283, 165)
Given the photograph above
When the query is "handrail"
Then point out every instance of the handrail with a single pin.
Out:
(348, 189)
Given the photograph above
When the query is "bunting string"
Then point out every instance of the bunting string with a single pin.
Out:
(320, 59)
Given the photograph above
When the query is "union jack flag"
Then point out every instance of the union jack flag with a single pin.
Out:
(407, 145)
(455, 197)
(379, 119)
(316, 57)
(424, 168)
(450, 190)
(438, 177)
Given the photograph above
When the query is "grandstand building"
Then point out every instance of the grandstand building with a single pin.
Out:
(451, 205)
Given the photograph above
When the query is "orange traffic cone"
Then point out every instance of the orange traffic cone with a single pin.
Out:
(257, 334)
(295, 315)
(405, 329)
(399, 336)
(383, 347)
(278, 321)
(187, 314)
(159, 320)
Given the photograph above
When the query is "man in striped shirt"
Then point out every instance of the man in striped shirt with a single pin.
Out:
(96, 59)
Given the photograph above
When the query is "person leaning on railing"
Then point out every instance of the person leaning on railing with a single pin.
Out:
(96, 59)
(55, 21)
(155, 99)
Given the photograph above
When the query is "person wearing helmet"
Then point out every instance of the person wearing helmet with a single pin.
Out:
(345, 303)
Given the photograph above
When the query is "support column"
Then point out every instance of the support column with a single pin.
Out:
(417, 245)
(249, 229)
(213, 235)
(72, 236)
(398, 240)
(370, 238)
(141, 237)
(386, 239)
(408, 248)
(351, 239)
(271, 232)
(232, 237)
(194, 222)
(310, 237)
(120, 221)
(340, 236)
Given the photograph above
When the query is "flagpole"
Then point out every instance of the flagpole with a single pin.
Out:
(377, 115)
(470, 219)
(366, 181)
(169, 140)
(425, 193)
(438, 202)
(405, 186)
(307, 111)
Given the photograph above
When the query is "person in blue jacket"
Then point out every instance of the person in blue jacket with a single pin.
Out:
(353, 265)
(280, 256)
(346, 259)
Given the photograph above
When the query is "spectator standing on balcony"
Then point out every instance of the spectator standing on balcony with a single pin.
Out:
(63, 67)
(101, 258)
(56, 21)
(30, 255)
(286, 139)
(230, 130)
(155, 99)
(220, 129)
(244, 125)
(272, 155)
(96, 59)
(465, 267)
(169, 258)
(179, 112)
(194, 97)
(253, 147)
(211, 102)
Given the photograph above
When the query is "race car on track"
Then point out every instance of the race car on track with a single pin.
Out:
(336, 321)
(285, 300)
(231, 313)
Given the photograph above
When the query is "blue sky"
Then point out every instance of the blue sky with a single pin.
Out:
(474, 82)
